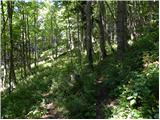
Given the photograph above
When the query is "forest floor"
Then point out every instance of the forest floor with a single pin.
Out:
(114, 89)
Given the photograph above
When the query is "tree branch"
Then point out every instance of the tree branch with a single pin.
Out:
(111, 11)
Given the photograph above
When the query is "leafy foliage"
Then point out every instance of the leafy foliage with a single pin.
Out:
(61, 84)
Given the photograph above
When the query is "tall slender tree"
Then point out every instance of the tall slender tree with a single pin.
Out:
(69, 36)
(79, 41)
(23, 40)
(121, 28)
(29, 44)
(88, 34)
(102, 31)
(83, 24)
(12, 77)
(3, 36)
(35, 38)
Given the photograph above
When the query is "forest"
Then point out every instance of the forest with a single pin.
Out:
(79, 59)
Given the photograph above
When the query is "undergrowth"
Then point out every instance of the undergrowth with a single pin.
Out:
(132, 83)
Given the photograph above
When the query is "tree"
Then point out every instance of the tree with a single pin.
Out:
(78, 37)
(121, 28)
(12, 77)
(53, 39)
(35, 38)
(23, 40)
(3, 36)
(29, 45)
(88, 34)
(83, 23)
(69, 37)
(102, 30)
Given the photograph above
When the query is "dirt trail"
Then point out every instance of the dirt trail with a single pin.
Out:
(100, 97)
(52, 113)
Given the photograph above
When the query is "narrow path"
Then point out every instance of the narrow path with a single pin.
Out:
(100, 97)
(50, 107)
(52, 113)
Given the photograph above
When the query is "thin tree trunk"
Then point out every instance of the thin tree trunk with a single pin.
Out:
(56, 47)
(12, 76)
(82, 37)
(70, 42)
(106, 32)
(83, 26)
(88, 34)
(51, 34)
(29, 45)
(35, 42)
(23, 43)
(79, 41)
(3, 37)
(121, 28)
(102, 31)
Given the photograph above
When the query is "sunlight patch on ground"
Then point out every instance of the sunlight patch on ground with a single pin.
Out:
(47, 64)
(46, 53)
(41, 62)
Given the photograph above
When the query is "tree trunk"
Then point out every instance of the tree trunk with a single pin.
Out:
(35, 42)
(51, 33)
(102, 31)
(29, 45)
(88, 34)
(121, 28)
(83, 26)
(12, 77)
(23, 47)
(69, 39)
(108, 35)
(3, 37)
(79, 41)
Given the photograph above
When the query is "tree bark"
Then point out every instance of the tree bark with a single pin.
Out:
(51, 33)
(88, 34)
(83, 26)
(3, 37)
(12, 76)
(35, 41)
(79, 41)
(23, 41)
(29, 45)
(102, 31)
(121, 28)
(69, 39)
